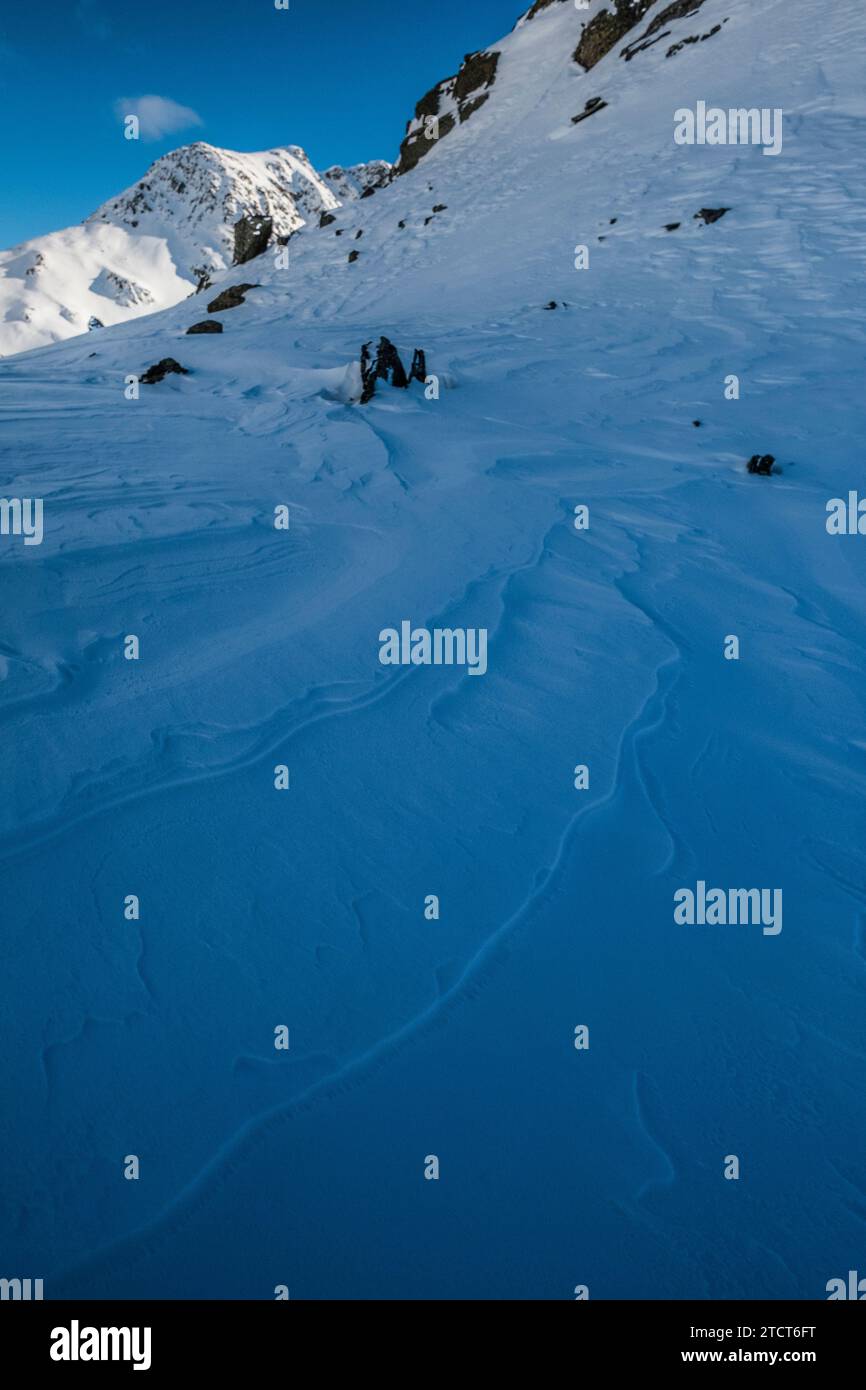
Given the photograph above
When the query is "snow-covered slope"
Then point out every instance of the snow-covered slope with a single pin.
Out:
(149, 247)
(359, 179)
(259, 648)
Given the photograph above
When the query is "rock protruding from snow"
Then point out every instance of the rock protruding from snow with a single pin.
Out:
(388, 366)
(160, 370)
(762, 464)
(252, 237)
(230, 298)
(607, 28)
(452, 100)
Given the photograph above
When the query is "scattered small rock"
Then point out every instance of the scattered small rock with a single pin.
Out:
(761, 464)
(441, 207)
(353, 256)
(358, 235)
(402, 226)
(162, 369)
(368, 192)
(594, 104)
(94, 323)
(672, 226)
(710, 215)
(206, 326)
(326, 219)
(694, 38)
(697, 424)
(232, 298)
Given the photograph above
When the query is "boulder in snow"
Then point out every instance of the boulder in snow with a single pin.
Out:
(231, 298)
(252, 237)
(161, 370)
(761, 464)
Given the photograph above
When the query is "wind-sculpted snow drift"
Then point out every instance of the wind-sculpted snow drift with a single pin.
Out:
(461, 874)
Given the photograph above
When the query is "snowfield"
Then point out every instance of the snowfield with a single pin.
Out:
(454, 507)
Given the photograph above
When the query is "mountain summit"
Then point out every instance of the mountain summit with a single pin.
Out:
(150, 246)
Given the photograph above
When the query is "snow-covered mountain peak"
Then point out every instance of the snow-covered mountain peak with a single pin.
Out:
(150, 246)
(359, 180)
(193, 197)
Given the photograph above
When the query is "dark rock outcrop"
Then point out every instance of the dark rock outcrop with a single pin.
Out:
(326, 219)
(594, 104)
(762, 464)
(680, 9)
(607, 28)
(206, 326)
(388, 366)
(710, 215)
(231, 298)
(252, 237)
(418, 370)
(603, 32)
(368, 375)
(467, 92)
(162, 369)
(694, 38)
(478, 70)
(470, 107)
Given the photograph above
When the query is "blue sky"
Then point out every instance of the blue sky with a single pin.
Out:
(338, 77)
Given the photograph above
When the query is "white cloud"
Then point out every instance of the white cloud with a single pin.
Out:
(157, 116)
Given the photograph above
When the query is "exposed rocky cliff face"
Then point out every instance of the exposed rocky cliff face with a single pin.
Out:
(453, 100)
(609, 26)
